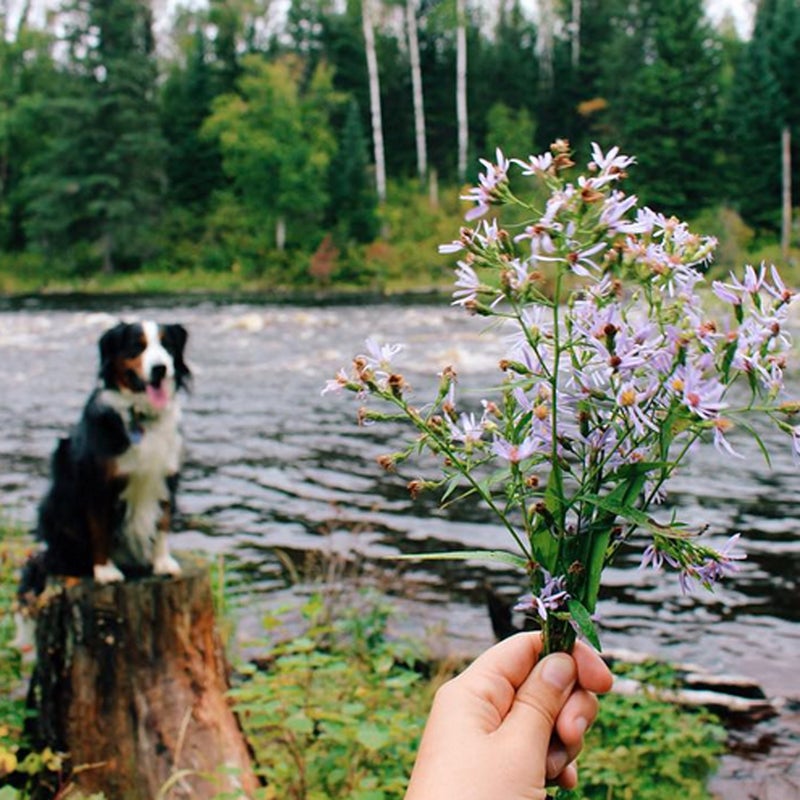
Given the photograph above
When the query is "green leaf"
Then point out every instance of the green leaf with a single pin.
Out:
(758, 440)
(584, 621)
(554, 493)
(299, 723)
(451, 486)
(373, 736)
(545, 548)
(639, 518)
(495, 556)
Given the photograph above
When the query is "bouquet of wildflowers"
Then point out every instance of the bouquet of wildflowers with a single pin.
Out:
(620, 359)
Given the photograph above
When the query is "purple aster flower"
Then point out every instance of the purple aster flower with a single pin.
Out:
(514, 453)
(579, 261)
(778, 288)
(726, 293)
(468, 430)
(655, 558)
(736, 291)
(613, 214)
(536, 164)
(630, 400)
(701, 396)
(610, 164)
(379, 357)
(552, 597)
(455, 246)
(337, 384)
(468, 284)
(489, 183)
(721, 427)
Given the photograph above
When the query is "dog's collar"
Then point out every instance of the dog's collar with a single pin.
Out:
(137, 422)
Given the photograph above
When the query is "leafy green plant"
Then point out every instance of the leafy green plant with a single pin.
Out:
(643, 748)
(17, 764)
(336, 712)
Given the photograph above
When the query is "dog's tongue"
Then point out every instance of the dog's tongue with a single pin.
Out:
(157, 395)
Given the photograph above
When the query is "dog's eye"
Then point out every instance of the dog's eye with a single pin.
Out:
(135, 346)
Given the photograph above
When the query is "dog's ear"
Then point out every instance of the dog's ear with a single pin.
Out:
(174, 340)
(110, 345)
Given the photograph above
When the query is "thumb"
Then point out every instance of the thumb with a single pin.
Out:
(539, 700)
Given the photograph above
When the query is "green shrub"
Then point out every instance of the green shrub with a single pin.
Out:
(336, 712)
(642, 748)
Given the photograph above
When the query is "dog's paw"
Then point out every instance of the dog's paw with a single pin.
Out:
(25, 638)
(107, 573)
(166, 565)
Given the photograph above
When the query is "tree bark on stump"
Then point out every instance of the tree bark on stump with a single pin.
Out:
(131, 682)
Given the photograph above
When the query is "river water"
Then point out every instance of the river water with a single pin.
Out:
(282, 482)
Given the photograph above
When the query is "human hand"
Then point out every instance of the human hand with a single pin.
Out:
(509, 724)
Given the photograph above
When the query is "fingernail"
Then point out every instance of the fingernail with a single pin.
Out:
(556, 760)
(558, 670)
(581, 724)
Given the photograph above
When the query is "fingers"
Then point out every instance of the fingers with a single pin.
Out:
(578, 713)
(494, 677)
(593, 674)
(568, 777)
(540, 698)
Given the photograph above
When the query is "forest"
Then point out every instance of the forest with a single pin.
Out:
(327, 143)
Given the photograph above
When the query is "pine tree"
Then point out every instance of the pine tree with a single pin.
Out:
(194, 168)
(101, 179)
(662, 84)
(27, 75)
(353, 203)
(764, 99)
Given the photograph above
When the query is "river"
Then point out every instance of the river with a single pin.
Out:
(282, 482)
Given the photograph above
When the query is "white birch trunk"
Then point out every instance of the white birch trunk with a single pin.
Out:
(544, 42)
(416, 85)
(576, 33)
(280, 233)
(374, 99)
(786, 221)
(461, 87)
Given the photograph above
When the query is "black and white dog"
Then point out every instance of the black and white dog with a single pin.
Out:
(112, 493)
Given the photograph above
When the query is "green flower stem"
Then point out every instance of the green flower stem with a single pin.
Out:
(558, 635)
(442, 444)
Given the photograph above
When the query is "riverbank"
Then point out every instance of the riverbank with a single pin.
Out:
(104, 301)
(196, 287)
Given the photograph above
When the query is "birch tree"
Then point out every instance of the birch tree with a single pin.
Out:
(786, 192)
(416, 86)
(544, 42)
(576, 33)
(374, 99)
(461, 87)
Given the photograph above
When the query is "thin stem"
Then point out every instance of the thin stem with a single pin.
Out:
(463, 469)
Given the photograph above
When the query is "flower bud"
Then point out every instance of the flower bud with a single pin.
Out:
(387, 462)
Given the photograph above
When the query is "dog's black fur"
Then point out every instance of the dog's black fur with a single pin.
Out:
(114, 477)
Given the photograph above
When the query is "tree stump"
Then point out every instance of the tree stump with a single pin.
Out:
(131, 682)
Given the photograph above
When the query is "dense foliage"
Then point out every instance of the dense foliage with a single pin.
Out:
(236, 136)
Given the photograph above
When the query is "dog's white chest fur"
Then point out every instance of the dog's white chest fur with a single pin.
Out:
(146, 465)
(154, 455)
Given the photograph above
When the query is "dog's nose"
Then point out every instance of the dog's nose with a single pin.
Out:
(157, 374)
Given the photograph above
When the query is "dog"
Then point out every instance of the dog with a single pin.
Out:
(111, 498)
